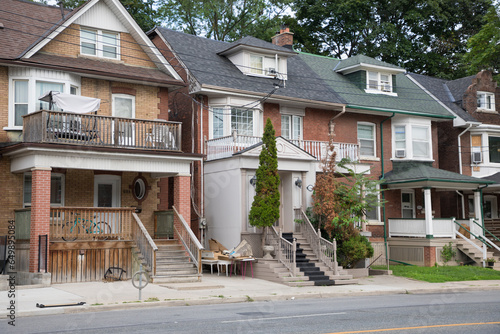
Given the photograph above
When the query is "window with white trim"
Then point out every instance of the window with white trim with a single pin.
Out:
(100, 43)
(264, 65)
(366, 138)
(410, 140)
(378, 82)
(27, 85)
(56, 189)
(486, 101)
(225, 121)
(420, 141)
(291, 127)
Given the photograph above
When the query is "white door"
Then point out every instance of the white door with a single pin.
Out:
(407, 204)
(107, 190)
(124, 107)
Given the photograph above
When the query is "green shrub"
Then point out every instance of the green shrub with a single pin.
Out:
(448, 253)
(353, 250)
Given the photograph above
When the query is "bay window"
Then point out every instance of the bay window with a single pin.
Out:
(225, 121)
(242, 121)
(420, 142)
(20, 101)
(494, 148)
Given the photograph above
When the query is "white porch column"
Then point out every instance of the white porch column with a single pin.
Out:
(478, 211)
(429, 230)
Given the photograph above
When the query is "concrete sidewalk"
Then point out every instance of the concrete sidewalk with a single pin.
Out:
(101, 296)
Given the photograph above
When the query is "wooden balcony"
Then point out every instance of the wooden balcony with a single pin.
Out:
(102, 131)
(225, 147)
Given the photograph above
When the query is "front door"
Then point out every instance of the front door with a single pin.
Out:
(407, 204)
(107, 190)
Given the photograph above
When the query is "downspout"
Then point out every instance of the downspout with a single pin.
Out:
(202, 166)
(383, 193)
(460, 148)
(335, 117)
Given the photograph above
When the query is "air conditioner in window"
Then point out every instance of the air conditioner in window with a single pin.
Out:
(271, 71)
(400, 153)
(476, 157)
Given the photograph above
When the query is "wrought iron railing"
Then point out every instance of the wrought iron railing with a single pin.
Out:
(186, 236)
(145, 243)
(94, 130)
(325, 250)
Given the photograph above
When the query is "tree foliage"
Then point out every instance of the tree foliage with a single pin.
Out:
(423, 36)
(224, 20)
(484, 46)
(265, 207)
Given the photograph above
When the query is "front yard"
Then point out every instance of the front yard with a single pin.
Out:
(443, 274)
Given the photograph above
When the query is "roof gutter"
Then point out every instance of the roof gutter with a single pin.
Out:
(400, 112)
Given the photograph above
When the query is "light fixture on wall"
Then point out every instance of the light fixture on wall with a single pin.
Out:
(298, 183)
(253, 181)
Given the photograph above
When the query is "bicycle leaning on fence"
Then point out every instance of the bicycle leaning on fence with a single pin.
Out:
(72, 229)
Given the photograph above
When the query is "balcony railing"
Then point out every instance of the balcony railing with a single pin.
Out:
(408, 227)
(225, 147)
(94, 130)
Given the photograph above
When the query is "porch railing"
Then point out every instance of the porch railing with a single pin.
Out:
(409, 227)
(285, 251)
(145, 243)
(188, 239)
(325, 250)
(94, 130)
(84, 223)
(225, 147)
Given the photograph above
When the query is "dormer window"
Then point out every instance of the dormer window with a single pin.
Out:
(486, 101)
(378, 82)
(264, 65)
(100, 43)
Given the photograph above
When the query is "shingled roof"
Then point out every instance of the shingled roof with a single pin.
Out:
(201, 57)
(27, 24)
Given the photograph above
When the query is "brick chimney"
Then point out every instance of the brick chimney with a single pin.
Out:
(284, 37)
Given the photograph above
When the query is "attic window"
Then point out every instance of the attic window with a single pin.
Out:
(263, 65)
(377, 82)
(486, 101)
(100, 43)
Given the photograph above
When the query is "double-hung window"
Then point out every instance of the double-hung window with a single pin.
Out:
(217, 122)
(420, 142)
(486, 101)
(100, 43)
(494, 148)
(366, 138)
(20, 101)
(225, 121)
(377, 81)
(400, 141)
(291, 127)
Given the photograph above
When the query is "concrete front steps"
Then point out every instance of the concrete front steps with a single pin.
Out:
(173, 265)
(476, 255)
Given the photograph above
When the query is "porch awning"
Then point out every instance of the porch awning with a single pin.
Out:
(71, 103)
(416, 174)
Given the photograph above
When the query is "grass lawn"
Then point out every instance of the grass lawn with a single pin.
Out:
(443, 274)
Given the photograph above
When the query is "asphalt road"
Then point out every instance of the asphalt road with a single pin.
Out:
(473, 312)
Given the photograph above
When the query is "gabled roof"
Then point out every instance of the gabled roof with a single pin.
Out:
(285, 150)
(415, 174)
(450, 93)
(28, 27)
(360, 60)
(410, 99)
(200, 56)
(253, 42)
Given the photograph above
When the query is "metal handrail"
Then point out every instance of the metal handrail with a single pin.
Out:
(324, 249)
(485, 229)
(191, 244)
(145, 243)
(488, 241)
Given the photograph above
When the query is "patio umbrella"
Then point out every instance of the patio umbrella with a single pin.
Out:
(71, 103)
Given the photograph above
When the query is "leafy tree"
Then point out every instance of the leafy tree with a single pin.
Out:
(423, 36)
(341, 200)
(266, 202)
(224, 20)
(484, 47)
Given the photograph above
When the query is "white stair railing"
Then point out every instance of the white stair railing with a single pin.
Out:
(285, 250)
(186, 236)
(481, 249)
(145, 243)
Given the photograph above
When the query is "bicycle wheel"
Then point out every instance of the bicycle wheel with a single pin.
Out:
(70, 231)
(102, 229)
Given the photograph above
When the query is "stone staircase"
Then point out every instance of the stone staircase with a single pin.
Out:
(173, 265)
(475, 255)
(309, 269)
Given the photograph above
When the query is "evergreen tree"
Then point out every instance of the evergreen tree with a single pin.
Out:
(266, 203)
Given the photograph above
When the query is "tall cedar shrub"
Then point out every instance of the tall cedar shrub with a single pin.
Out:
(266, 202)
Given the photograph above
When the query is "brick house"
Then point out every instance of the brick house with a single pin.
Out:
(384, 121)
(102, 177)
